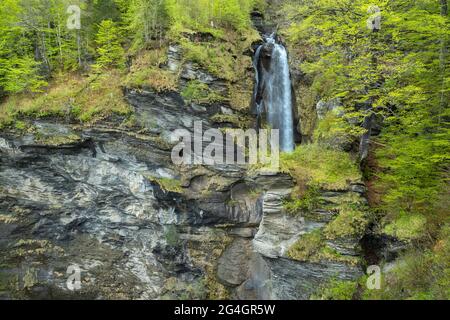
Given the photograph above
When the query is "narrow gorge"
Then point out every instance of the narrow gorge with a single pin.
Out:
(98, 190)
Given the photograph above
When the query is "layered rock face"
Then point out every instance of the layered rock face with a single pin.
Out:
(108, 200)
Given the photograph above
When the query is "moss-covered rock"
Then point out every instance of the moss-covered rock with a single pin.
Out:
(407, 227)
(312, 247)
(351, 222)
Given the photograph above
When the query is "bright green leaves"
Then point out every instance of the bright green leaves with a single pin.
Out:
(18, 74)
(109, 50)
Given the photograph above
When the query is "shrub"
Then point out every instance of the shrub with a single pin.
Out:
(351, 222)
(336, 290)
(320, 166)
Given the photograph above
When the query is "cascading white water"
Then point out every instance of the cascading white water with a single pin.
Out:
(277, 96)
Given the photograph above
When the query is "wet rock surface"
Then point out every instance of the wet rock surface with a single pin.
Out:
(94, 198)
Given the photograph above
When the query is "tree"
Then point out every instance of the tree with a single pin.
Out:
(109, 50)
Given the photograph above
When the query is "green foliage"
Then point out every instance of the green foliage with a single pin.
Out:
(334, 127)
(413, 163)
(110, 52)
(419, 274)
(304, 203)
(312, 247)
(18, 70)
(320, 166)
(21, 74)
(350, 223)
(85, 99)
(336, 290)
(397, 73)
(146, 20)
(200, 92)
(168, 185)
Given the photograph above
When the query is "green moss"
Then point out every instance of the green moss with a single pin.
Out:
(407, 227)
(237, 121)
(167, 184)
(336, 290)
(312, 247)
(8, 219)
(350, 223)
(158, 79)
(199, 92)
(216, 290)
(213, 57)
(58, 140)
(320, 166)
(307, 246)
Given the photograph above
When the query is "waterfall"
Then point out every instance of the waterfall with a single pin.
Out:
(273, 91)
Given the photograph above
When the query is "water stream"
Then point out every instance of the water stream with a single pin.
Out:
(273, 90)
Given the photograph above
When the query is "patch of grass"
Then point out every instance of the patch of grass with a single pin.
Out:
(320, 166)
(58, 140)
(407, 227)
(101, 98)
(336, 290)
(351, 222)
(307, 246)
(312, 247)
(419, 274)
(237, 121)
(309, 201)
(168, 185)
(199, 92)
(216, 57)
